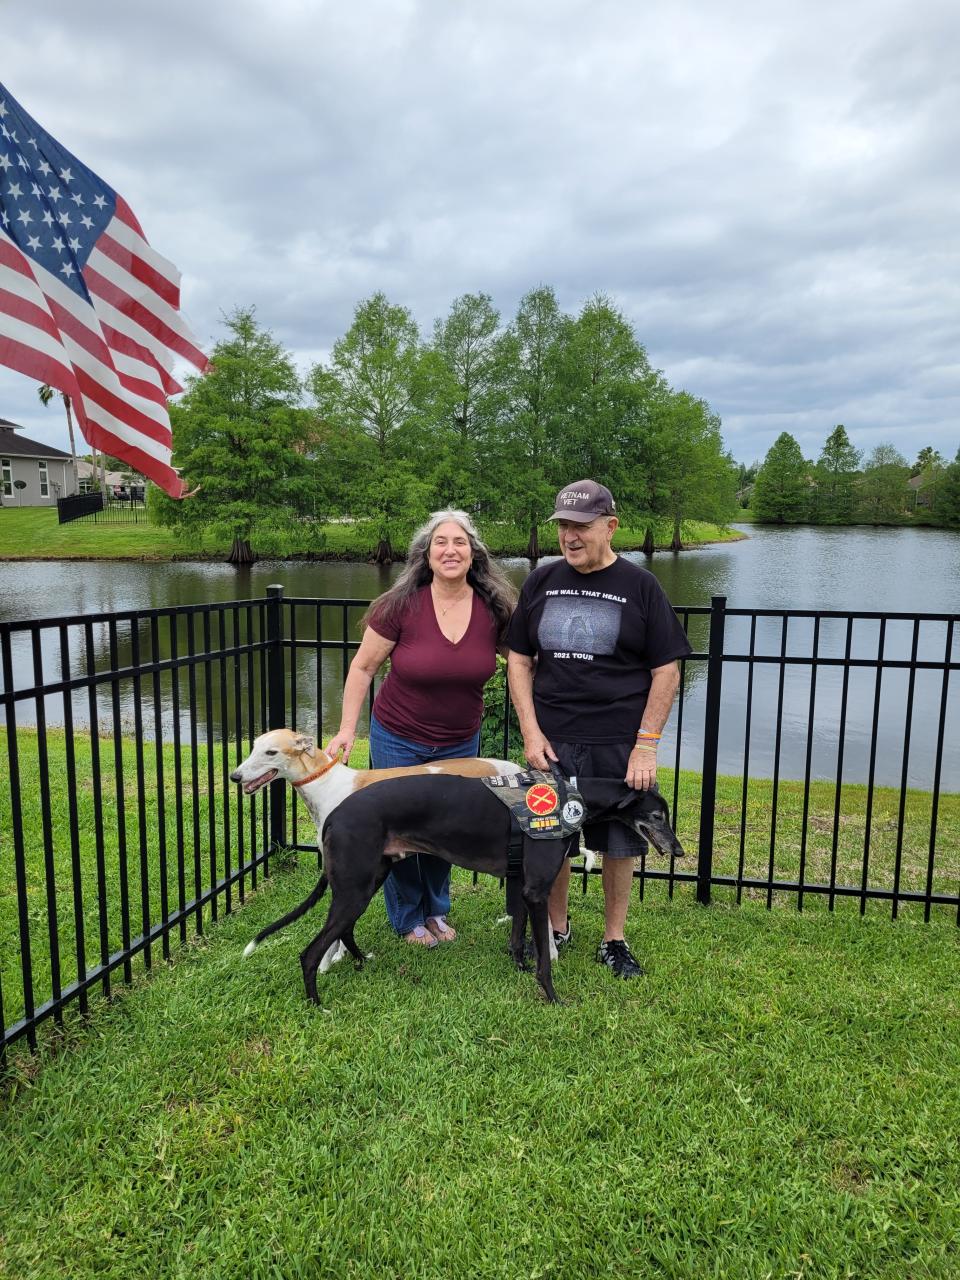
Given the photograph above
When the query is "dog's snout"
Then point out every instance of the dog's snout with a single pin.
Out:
(236, 776)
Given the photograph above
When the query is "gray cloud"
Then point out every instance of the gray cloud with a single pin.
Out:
(768, 192)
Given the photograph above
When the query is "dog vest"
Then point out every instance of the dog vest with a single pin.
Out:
(542, 806)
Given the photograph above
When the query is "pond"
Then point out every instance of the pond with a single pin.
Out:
(883, 570)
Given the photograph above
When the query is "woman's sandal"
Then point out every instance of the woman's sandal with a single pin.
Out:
(440, 929)
(420, 937)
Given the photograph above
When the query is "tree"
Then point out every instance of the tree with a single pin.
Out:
(946, 508)
(781, 490)
(46, 394)
(607, 389)
(927, 457)
(883, 489)
(528, 430)
(693, 478)
(381, 388)
(467, 343)
(239, 434)
(835, 498)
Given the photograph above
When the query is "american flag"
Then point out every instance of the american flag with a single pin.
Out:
(85, 304)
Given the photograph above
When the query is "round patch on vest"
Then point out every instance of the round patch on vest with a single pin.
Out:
(541, 799)
(573, 812)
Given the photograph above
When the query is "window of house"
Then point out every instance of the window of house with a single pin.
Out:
(6, 477)
(44, 482)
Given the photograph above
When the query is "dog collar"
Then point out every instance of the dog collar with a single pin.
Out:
(312, 777)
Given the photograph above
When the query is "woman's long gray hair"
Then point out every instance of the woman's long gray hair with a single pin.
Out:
(489, 582)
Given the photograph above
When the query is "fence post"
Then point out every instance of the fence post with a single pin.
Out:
(711, 737)
(276, 707)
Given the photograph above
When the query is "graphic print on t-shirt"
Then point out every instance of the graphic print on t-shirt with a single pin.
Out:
(580, 626)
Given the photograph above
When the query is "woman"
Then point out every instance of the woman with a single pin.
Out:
(441, 624)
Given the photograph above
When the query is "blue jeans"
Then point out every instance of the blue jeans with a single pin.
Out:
(419, 885)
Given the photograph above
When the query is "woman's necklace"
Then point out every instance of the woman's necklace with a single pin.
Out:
(459, 600)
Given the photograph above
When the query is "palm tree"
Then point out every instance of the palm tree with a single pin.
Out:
(46, 394)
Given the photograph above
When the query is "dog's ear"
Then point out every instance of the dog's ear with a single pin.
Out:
(303, 744)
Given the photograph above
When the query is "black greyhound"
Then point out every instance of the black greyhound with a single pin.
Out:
(458, 819)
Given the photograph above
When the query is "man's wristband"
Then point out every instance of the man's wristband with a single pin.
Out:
(647, 740)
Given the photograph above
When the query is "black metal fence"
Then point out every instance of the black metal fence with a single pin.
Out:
(127, 508)
(811, 757)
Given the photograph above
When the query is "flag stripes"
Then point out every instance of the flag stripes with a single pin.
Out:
(86, 304)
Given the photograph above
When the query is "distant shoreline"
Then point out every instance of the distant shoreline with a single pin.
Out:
(343, 557)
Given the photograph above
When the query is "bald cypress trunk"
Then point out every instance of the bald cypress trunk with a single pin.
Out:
(241, 552)
(533, 544)
(676, 544)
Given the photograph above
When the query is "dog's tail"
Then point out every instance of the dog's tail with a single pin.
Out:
(295, 914)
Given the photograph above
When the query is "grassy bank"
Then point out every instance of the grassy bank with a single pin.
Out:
(32, 533)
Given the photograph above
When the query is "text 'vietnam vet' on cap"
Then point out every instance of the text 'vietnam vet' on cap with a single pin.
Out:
(582, 501)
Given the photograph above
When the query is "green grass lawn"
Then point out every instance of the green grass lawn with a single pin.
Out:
(777, 1097)
(33, 533)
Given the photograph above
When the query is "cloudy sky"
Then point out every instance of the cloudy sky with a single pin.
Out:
(770, 192)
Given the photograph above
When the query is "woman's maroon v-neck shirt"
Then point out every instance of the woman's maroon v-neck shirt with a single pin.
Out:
(433, 693)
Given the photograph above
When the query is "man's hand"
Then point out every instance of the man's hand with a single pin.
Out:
(538, 751)
(642, 767)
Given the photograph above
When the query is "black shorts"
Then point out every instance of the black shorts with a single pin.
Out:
(602, 760)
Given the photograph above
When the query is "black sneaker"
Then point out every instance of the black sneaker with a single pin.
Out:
(563, 939)
(616, 955)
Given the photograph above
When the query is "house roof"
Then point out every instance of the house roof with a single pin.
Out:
(14, 445)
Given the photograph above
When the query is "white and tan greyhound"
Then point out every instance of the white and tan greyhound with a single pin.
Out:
(284, 755)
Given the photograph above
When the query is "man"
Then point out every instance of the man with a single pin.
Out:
(593, 673)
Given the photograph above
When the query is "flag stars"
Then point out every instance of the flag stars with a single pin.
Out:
(67, 269)
(54, 194)
(3, 109)
(44, 168)
(4, 162)
(22, 162)
(64, 218)
(100, 202)
(77, 199)
(57, 244)
(48, 217)
(86, 222)
(35, 190)
(14, 189)
(74, 244)
(33, 242)
(25, 217)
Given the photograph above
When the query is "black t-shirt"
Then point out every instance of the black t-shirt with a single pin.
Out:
(596, 637)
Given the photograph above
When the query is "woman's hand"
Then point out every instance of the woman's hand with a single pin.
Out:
(341, 742)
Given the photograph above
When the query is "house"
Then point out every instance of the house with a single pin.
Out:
(32, 474)
(922, 489)
(117, 482)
